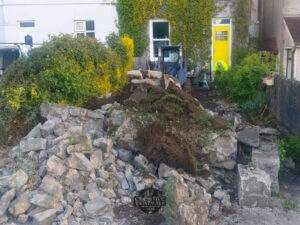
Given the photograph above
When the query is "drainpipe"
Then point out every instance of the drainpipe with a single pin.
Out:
(293, 61)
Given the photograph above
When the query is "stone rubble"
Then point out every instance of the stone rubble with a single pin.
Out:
(82, 172)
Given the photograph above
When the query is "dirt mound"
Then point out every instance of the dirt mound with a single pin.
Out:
(162, 146)
(170, 104)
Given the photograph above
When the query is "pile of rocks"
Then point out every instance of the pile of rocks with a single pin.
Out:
(257, 177)
(150, 78)
(71, 171)
(79, 165)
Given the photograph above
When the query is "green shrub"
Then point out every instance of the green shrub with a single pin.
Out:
(243, 82)
(64, 70)
(291, 145)
(282, 155)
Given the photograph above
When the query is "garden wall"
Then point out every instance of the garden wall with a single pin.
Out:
(285, 102)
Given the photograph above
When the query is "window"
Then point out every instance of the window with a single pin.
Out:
(221, 35)
(85, 28)
(159, 36)
(220, 21)
(289, 58)
(27, 24)
(26, 29)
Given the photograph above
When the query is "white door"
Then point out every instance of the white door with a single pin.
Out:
(26, 28)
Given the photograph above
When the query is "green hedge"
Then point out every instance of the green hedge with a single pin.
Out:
(243, 82)
(64, 70)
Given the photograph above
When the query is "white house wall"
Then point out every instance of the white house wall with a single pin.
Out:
(297, 64)
(1, 22)
(291, 8)
(53, 17)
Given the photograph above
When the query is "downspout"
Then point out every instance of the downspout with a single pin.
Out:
(293, 61)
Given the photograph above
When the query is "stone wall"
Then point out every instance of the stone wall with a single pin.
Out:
(285, 103)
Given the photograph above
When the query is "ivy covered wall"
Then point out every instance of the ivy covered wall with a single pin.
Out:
(190, 22)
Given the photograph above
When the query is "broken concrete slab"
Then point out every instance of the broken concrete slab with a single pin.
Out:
(80, 162)
(222, 151)
(45, 217)
(5, 200)
(98, 207)
(33, 144)
(249, 136)
(269, 131)
(254, 187)
(268, 161)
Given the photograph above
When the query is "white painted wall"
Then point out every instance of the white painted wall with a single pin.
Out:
(297, 64)
(53, 17)
(291, 8)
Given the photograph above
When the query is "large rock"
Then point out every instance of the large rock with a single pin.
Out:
(97, 159)
(141, 162)
(33, 144)
(49, 193)
(35, 132)
(96, 114)
(76, 111)
(269, 131)
(105, 144)
(45, 217)
(74, 180)
(98, 207)
(195, 213)
(142, 182)
(116, 119)
(134, 74)
(5, 200)
(268, 161)
(55, 166)
(80, 144)
(17, 180)
(125, 155)
(44, 200)
(52, 187)
(222, 151)
(122, 180)
(164, 171)
(126, 135)
(20, 205)
(80, 162)
(249, 136)
(52, 110)
(48, 127)
(177, 193)
(254, 187)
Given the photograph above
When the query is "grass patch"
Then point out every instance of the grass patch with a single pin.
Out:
(290, 205)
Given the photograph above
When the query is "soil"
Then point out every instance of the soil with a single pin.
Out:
(161, 146)
(136, 217)
(179, 129)
(207, 98)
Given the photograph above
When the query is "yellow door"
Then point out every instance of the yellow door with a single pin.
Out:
(221, 44)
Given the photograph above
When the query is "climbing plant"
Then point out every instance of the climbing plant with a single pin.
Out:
(190, 22)
(242, 20)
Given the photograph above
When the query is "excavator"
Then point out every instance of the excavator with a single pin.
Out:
(170, 62)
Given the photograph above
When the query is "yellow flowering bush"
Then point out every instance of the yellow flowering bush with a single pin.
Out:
(64, 70)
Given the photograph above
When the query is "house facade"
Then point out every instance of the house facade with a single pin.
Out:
(41, 18)
(280, 33)
(159, 32)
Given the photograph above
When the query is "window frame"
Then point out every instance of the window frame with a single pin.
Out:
(289, 59)
(28, 22)
(84, 31)
(214, 23)
(152, 39)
